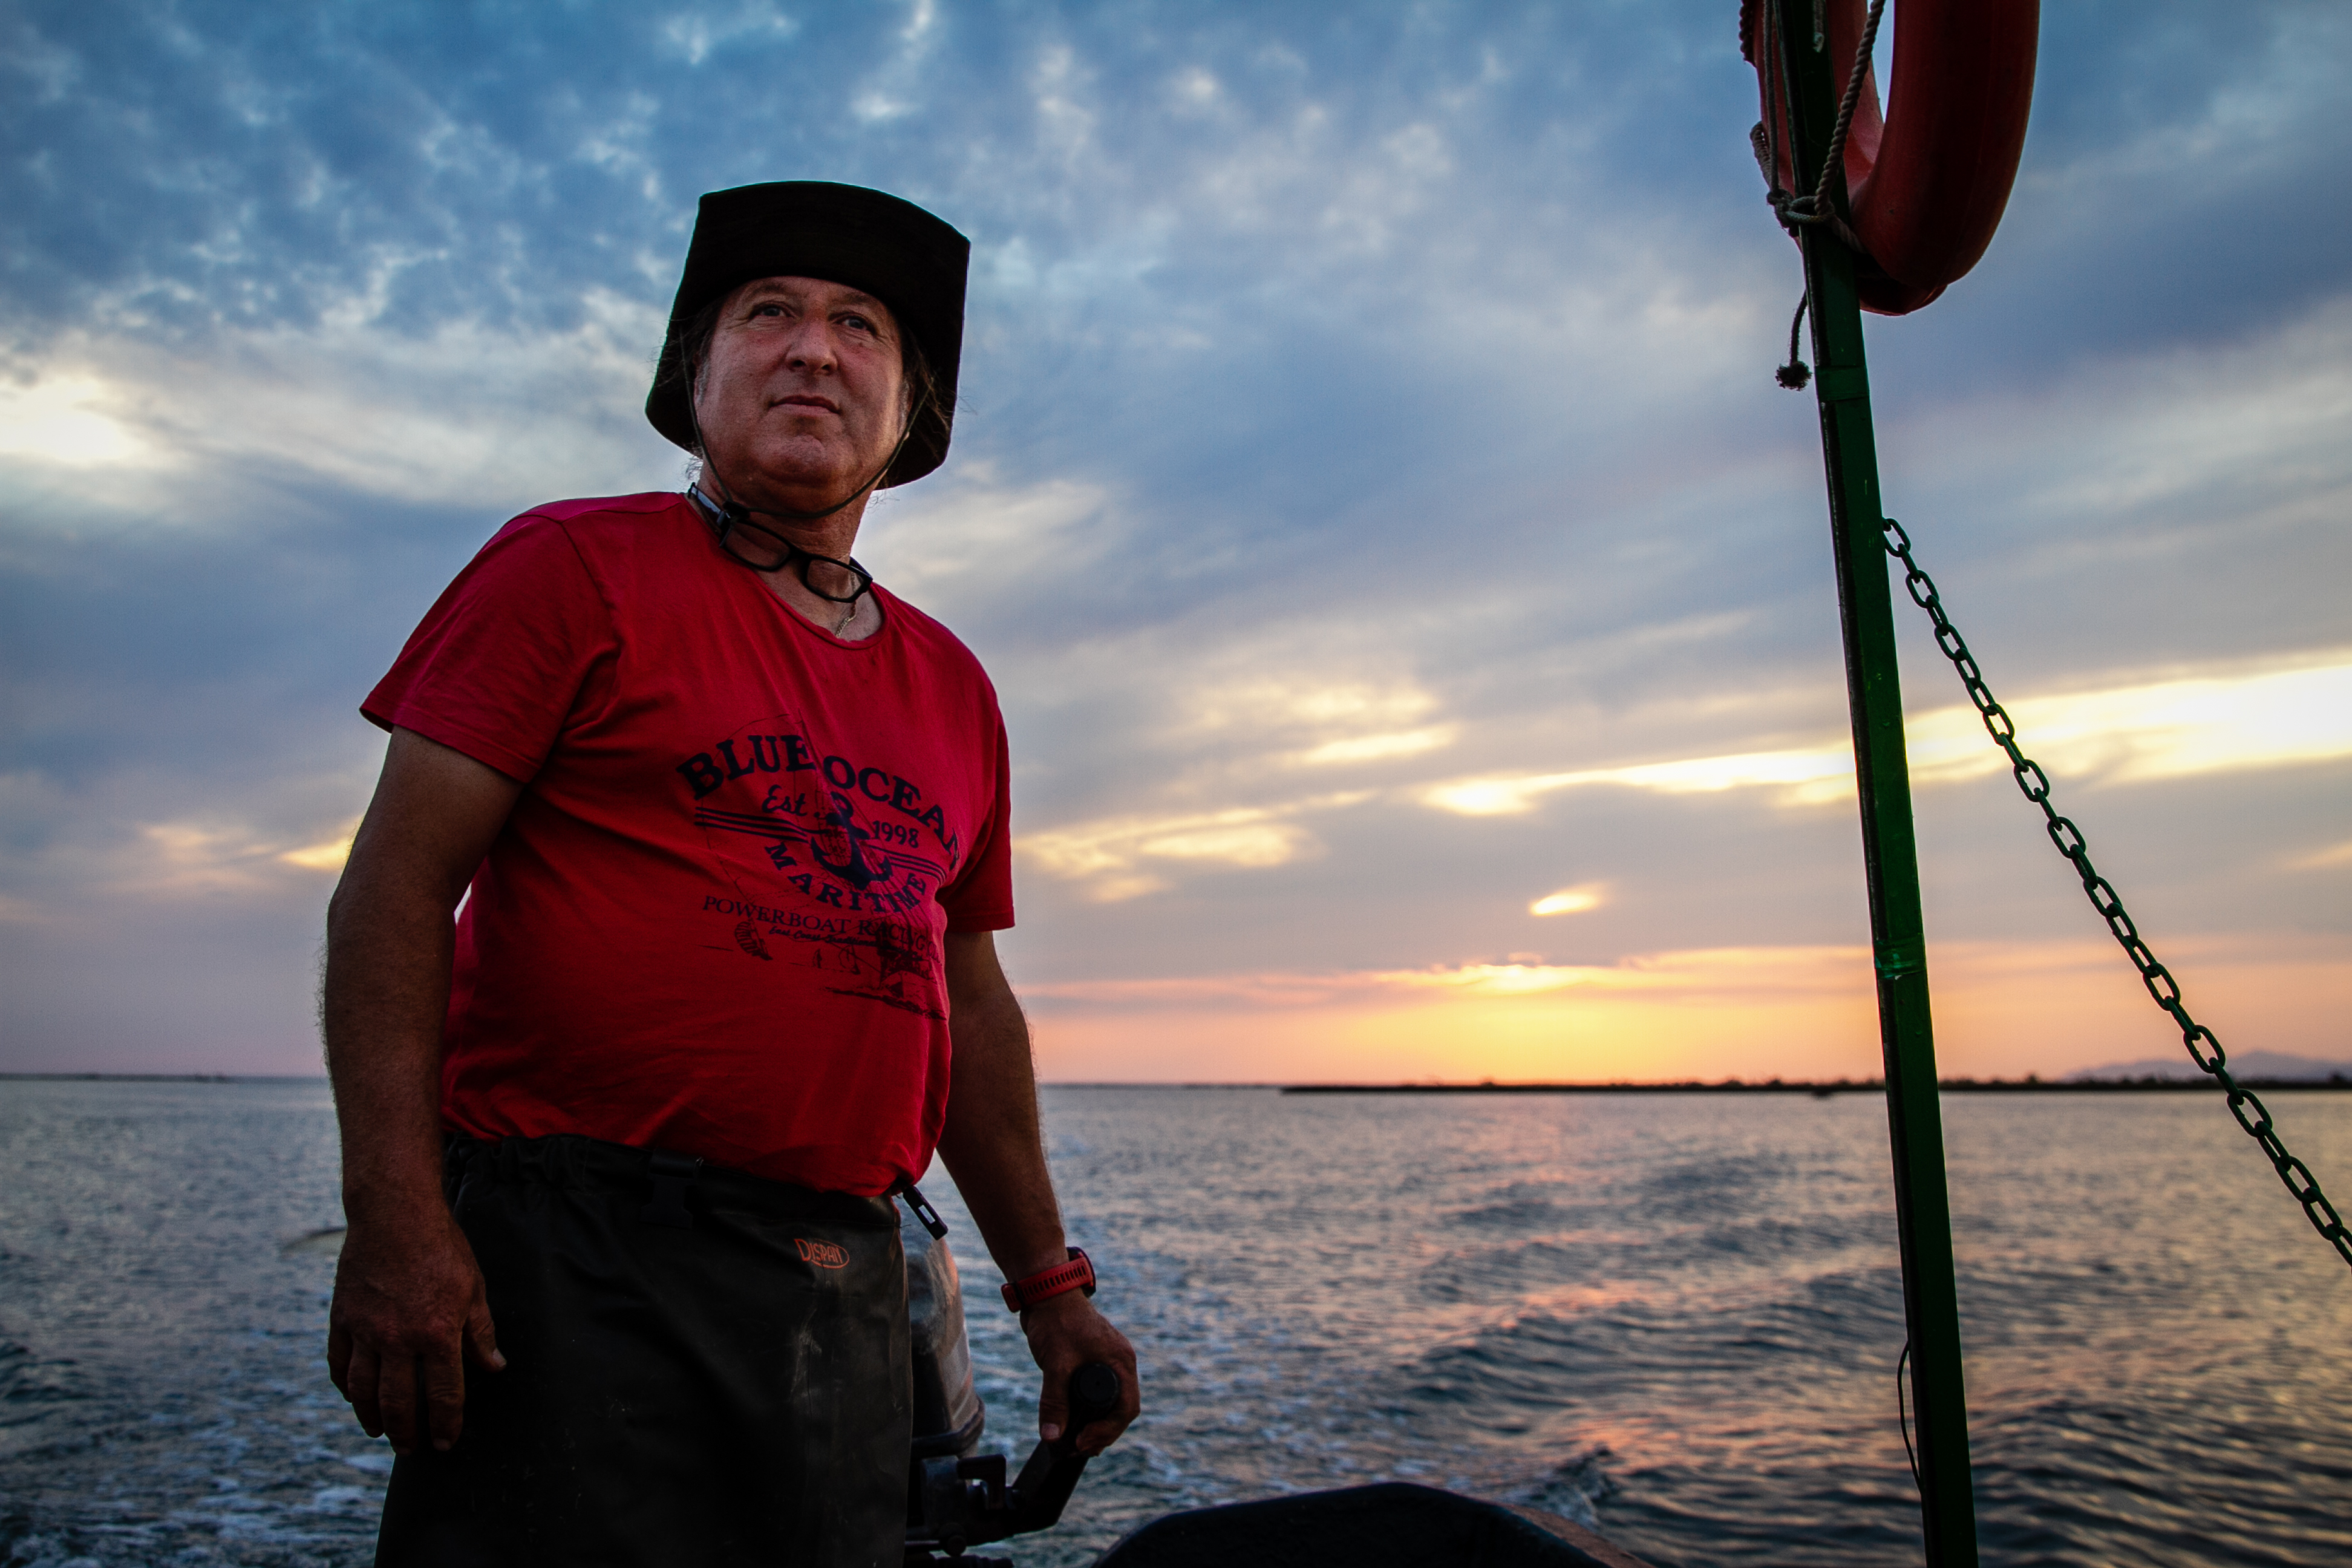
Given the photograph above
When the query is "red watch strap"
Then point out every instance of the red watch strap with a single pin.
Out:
(1077, 1274)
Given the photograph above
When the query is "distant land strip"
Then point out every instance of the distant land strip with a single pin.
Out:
(120, 1078)
(2145, 1085)
(2151, 1085)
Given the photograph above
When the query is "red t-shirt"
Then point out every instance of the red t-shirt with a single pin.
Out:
(713, 923)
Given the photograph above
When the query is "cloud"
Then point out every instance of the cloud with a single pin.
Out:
(1370, 494)
(328, 855)
(184, 859)
(1738, 972)
(1580, 899)
(2135, 734)
(1106, 856)
(1304, 701)
(1311, 720)
(2325, 859)
(2153, 440)
(204, 858)
(694, 33)
(971, 537)
(2165, 730)
(498, 419)
(1378, 748)
(1804, 777)
(66, 420)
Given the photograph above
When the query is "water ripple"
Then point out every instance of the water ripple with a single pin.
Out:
(1675, 1318)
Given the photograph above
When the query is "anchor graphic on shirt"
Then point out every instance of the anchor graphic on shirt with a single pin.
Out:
(854, 870)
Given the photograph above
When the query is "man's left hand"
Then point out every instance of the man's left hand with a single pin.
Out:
(996, 1152)
(1065, 1333)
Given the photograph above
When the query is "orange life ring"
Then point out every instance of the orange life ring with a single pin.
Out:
(1927, 185)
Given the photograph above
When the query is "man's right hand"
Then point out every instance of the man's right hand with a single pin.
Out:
(409, 1309)
(409, 1315)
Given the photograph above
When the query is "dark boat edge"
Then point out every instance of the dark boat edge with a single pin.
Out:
(1389, 1524)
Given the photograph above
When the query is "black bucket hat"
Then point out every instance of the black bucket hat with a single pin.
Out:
(891, 248)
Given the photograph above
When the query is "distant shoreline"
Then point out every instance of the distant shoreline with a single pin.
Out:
(1816, 1088)
(158, 1078)
(1842, 1086)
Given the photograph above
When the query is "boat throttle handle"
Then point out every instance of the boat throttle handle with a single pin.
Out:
(1044, 1487)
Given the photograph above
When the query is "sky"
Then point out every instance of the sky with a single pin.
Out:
(1409, 592)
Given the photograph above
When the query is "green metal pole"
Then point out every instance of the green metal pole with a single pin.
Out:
(1882, 771)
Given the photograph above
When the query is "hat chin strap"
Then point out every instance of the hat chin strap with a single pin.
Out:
(734, 507)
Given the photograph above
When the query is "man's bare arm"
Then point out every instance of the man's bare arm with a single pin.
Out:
(995, 1151)
(409, 1308)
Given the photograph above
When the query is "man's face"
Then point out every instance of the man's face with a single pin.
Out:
(803, 392)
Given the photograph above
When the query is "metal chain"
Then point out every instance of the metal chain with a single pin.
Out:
(1902, 1414)
(2110, 904)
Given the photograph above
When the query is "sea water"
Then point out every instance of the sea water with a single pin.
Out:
(1675, 1317)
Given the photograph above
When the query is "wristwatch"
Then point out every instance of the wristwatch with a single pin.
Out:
(1077, 1274)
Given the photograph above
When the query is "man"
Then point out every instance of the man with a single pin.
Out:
(728, 824)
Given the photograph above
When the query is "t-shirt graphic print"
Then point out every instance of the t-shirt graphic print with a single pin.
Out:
(831, 861)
